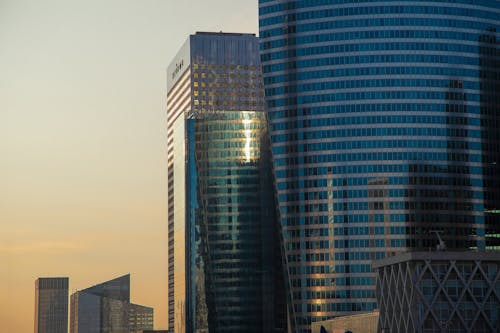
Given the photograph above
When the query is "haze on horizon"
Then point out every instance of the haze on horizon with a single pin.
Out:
(83, 141)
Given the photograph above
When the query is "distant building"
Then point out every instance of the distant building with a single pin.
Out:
(223, 263)
(51, 305)
(359, 323)
(106, 308)
(439, 292)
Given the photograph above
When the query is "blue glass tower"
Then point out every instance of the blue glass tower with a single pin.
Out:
(383, 118)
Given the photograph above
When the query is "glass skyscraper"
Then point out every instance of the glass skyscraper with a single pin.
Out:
(51, 305)
(106, 308)
(384, 126)
(223, 255)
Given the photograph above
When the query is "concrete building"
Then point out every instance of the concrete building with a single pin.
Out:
(359, 323)
(439, 292)
(224, 256)
(51, 305)
(106, 308)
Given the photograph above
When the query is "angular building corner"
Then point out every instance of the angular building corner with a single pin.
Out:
(106, 307)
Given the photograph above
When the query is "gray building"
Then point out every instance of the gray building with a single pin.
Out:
(223, 249)
(106, 308)
(439, 292)
(51, 305)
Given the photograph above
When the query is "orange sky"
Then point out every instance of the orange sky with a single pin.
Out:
(82, 141)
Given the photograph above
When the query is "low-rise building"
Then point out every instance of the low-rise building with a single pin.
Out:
(439, 292)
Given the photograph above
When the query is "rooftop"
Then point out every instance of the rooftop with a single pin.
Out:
(439, 255)
(223, 33)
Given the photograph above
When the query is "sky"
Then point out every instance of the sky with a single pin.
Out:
(83, 141)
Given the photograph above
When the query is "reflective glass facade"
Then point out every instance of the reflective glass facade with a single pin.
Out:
(383, 118)
(223, 255)
(106, 308)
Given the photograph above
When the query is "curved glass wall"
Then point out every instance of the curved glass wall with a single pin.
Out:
(383, 119)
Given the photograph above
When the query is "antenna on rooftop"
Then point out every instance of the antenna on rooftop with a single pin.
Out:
(441, 246)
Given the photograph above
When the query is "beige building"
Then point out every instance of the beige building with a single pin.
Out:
(360, 323)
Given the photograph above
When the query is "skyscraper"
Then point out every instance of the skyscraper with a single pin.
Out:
(381, 117)
(106, 308)
(489, 57)
(51, 305)
(221, 221)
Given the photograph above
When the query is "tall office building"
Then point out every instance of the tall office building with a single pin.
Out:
(221, 221)
(383, 118)
(489, 57)
(106, 308)
(51, 305)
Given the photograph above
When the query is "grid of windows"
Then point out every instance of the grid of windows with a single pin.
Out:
(381, 118)
(224, 264)
(230, 221)
(51, 305)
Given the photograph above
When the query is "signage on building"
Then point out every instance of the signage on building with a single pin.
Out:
(179, 65)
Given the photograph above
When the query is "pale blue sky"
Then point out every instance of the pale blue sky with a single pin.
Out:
(82, 140)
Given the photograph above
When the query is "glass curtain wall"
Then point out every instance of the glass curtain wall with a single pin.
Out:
(381, 117)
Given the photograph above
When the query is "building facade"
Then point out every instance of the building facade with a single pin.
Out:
(106, 308)
(51, 305)
(439, 292)
(383, 121)
(223, 259)
(359, 323)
